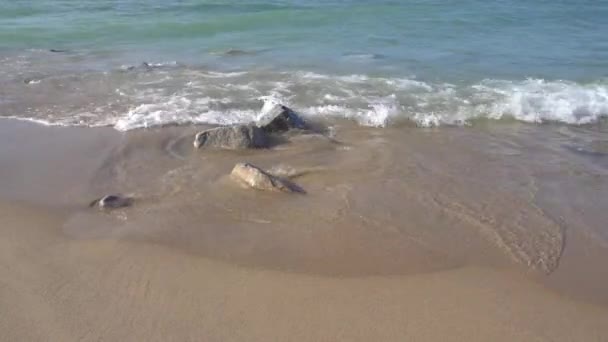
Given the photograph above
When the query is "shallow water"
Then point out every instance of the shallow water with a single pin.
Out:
(378, 201)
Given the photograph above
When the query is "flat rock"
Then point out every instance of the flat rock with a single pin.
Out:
(279, 118)
(112, 202)
(232, 137)
(256, 178)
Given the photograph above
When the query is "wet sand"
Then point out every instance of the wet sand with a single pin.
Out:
(482, 233)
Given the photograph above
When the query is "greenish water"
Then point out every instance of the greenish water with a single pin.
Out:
(515, 38)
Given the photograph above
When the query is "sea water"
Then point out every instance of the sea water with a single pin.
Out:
(135, 63)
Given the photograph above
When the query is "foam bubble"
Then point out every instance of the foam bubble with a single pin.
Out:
(427, 120)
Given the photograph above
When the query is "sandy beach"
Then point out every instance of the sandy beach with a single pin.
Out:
(386, 245)
(303, 170)
(59, 289)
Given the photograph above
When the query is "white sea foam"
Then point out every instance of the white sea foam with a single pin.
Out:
(37, 121)
(192, 96)
(539, 101)
(427, 120)
(362, 57)
(128, 67)
(164, 64)
(179, 110)
(315, 76)
(213, 74)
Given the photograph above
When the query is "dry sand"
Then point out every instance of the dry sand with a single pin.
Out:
(199, 260)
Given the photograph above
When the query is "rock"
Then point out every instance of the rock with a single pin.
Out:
(256, 178)
(279, 118)
(31, 81)
(232, 137)
(112, 202)
(236, 52)
(146, 66)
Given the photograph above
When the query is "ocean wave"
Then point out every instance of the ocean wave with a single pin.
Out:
(539, 101)
(184, 95)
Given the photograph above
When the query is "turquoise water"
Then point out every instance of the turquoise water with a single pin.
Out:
(475, 49)
(460, 39)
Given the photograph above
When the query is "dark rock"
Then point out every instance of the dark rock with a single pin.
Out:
(280, 118)
(112, 202)
(236, 52)
(57, 50)
(232, 53)
(146, 66)
(232, 137)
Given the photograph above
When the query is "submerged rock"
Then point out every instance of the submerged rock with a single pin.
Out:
(112, 202)
(232, 137)
(31, 81)
(144, 66)
(233, 53)
(280, 118)
(256, 178)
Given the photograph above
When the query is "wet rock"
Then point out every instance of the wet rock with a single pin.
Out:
(31, 81)
(279, 118)
(146, 66)
(256, 178)
(112, 202)
(236, 52)
(232, 137)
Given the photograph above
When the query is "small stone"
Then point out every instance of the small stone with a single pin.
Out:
(279, 118)
(256, 178)
(232, 137)
(112, 202)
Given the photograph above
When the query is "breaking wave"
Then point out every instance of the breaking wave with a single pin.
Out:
(173, 94)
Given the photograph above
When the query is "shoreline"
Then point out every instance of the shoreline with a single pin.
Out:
(397, 214)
